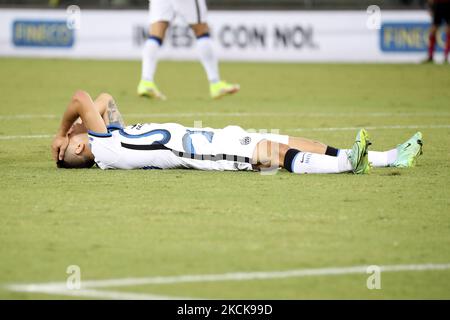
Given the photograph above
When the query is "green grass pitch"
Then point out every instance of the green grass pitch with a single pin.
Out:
(121, 224)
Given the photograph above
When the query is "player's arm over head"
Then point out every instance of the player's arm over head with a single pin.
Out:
(109, 110)
(75, 144)
(83, 106)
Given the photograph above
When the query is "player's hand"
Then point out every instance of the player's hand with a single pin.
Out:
(59, 147)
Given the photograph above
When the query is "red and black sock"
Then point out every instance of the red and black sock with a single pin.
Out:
(447, 47)
(431, 45)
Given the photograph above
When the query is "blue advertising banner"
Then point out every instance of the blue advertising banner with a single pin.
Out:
(408, 37)
(42, 33)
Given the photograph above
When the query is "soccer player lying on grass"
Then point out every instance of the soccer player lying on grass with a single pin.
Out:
(94, 132)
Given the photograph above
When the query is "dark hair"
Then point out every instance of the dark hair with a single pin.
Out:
(83, 163)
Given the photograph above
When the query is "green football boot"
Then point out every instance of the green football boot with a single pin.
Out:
(358, 156)
(222, 88)
(408, 152)
(150, 90)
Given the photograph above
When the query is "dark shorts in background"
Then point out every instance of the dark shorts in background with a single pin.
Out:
(441, 13)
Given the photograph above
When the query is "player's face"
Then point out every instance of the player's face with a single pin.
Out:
(77, 137)
(78, 142)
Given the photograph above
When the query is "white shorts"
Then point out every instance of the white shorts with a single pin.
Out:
(191, 11)
(235, 140)
(234, 144)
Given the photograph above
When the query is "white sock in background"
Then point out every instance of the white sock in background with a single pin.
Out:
(305, 162)
(208, 58)
(382, 159)
(150, 58)
(377, 158)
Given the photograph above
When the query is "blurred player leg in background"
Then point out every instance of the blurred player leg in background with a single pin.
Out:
(194, 13)
(440, 10)
(447, 43)
(431, 43)
(161, 13)
(147, 86)
(217, 87)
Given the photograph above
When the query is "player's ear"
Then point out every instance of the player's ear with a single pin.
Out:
(79, 148)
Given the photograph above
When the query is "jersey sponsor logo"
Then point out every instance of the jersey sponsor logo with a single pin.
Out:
(408, 37)
(245, 141)
(42, 33)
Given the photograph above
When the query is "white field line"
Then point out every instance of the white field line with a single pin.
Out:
(31, 136)
(99, 294)
(88, 287)
(413, 126)
(245, 114)
(287, 114)
(92, 293)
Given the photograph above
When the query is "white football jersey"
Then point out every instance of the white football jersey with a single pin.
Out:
(171, 145)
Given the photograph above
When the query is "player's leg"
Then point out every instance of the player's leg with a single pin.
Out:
(161, 12)
(206, 52)
(208, 59)
(432, 43)
(273, 154)
(447, 44)
(147, 86)
(436, 13)
(313, 146)
(447, 35)
(194, 12)
(151, 47)
(404, 155)
(377, 158)
(303, 144)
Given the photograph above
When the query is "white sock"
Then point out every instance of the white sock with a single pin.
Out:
(380, 159)
(208, 58)
(306, 162)
(150, 58)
